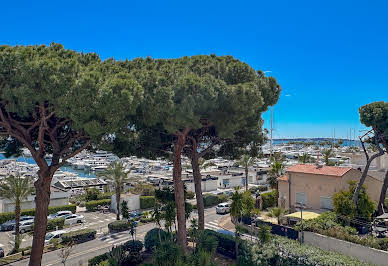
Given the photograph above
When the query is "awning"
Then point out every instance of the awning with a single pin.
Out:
(306, 215)
(383, 216)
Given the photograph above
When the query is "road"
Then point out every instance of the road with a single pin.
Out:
(83, 252)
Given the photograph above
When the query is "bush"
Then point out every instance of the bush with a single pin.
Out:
(190, 195)
(98, 259)
(133, 246)
(106, 195)
(92, 205)
(79, 236)
(222, 198)
(147, 202)
(226, 244)
(92, 194)
(269, 199)
(168, 253)
(146, 220)
(6, 216)
(118, 226)
(151, 239)
(53, 223)
(210, 200)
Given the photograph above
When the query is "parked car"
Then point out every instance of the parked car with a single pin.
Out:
(223, 208)
(10, 225)
(135, 214)
(74, 218)
(53, 235)
(225, 232)
(60, 214)
(26, 226)
(1, 252)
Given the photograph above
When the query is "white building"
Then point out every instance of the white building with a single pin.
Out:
(133, 201)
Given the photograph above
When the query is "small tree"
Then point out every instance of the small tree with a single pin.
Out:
(277, 212)
(246, 161)
(327, 153)
(16, 189)
(236, 210)
(157, 215)
(193, 230)
(65, 252)
(124, 210)
(116, 176)
(132, 229)
(306, 158)
(248, 206)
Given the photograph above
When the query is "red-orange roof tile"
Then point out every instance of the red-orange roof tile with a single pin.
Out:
(324, 170)
(283, 178)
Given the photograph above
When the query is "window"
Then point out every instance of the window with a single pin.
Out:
(300, 198)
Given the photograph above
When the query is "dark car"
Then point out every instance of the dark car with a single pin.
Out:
(135, 214)
(10, 225)
(1, 253)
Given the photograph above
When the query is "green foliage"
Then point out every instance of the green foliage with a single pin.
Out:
(6, 216)
(264, 233)
(92, 194)
(124, 209)
(283, 251)
(276, 212)
(118, 226)
(151, 239)
(375, 115)
(207, 242)
(52, 224)
(277, 169)
(262, 188)
(105, 195)
(226, 243)
(190, 195)
(236, 207)
(248, 204)
(269, 199)
(93, 205)
(168, 253)
(79, 236)
(147, 202)
(343, 204)
(210, 200)
(98, 259)
(133, 246)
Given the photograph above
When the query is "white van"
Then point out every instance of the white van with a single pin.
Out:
(53, 235)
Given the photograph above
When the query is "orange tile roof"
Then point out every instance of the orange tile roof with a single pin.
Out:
(283, 178)
(324, 170)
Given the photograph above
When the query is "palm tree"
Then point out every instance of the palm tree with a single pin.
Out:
(277, 169)
(305, 158)
(246, 161)
(236, 210)
(276, 212)
(16, 189)
(327, 153)
(157, 215)
(117, 176)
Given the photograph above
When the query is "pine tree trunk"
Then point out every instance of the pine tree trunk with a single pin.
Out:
(17, 225)
(362, 179)
(383, 194)
(42, 201)
(179, 191)
(198, 188)
(118, 203)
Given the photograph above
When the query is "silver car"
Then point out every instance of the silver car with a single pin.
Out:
(26, 226)
(223, 208)
(74, 218)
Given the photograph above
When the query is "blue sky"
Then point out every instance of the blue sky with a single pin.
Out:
(330, 57)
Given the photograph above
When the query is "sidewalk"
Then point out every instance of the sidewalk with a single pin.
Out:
(226, 224)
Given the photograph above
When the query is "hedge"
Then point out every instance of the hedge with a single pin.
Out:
(95, 261)
(53, 223)
(210, 200)
(79, 236)
(92, 205)
(151, 239)
(190, 195)
(6, 216)
(226, 243)
(147, 202)
(133, 246)
(269, 199)
(118, 226)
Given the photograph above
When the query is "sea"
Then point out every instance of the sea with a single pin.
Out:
(30, 160)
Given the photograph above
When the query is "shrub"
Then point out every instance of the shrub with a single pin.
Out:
(146, 220)
(169, 252)
(92, 205)
(53, 223)
(190, 195)
(226, 243)
(92, 194)
(106, 195)
(6, 216)
(118, 226)
(147, 202)
(210, 200)
(133, 246)
(222, 198)
(151, 239)
(98, 259)
(207, 242)
(269, 199)
(79, 236)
